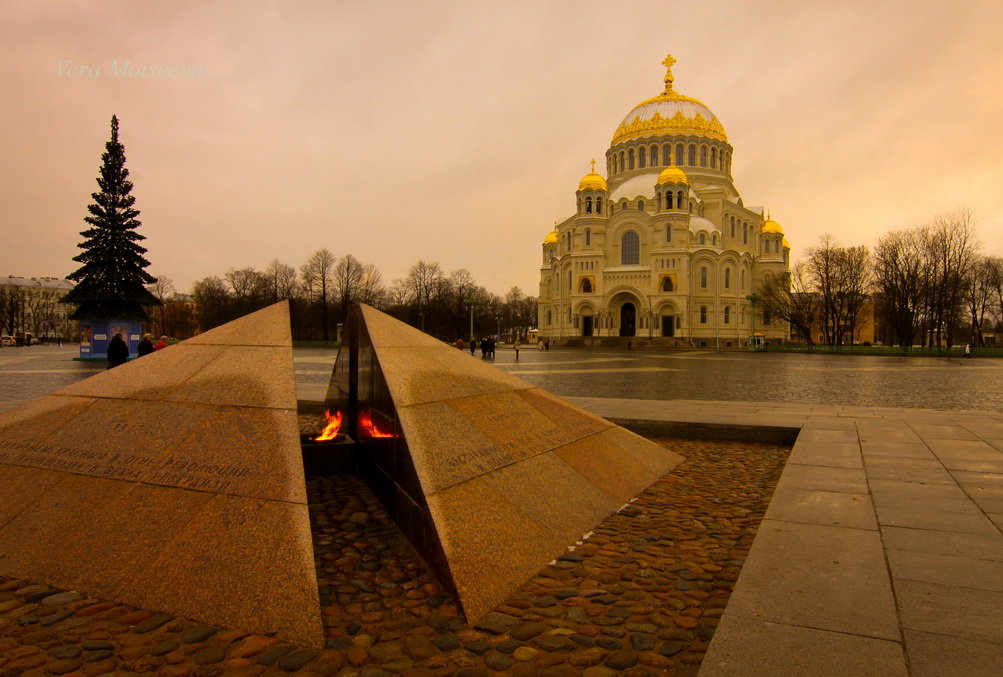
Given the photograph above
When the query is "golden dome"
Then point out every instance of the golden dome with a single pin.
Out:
(592, 181)
(669, 113)
(786, 244)
(771, 226)
(672, 175)
(551, 238)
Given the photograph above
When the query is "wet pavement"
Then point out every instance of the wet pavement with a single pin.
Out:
(857, 380)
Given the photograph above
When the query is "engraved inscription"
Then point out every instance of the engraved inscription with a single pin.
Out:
(167, 470)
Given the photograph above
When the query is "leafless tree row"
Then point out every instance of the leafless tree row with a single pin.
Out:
(929, 285)
(325, 286)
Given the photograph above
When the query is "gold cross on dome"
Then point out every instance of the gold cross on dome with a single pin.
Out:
(593, 165)
(668, 72)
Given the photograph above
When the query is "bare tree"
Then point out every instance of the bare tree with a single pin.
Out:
(371, 290)
(348, 277)
(949, 252)
(162, 290)
(280, 281)
(318, 285)
(898, 262)
(793, 299)
(214, 302)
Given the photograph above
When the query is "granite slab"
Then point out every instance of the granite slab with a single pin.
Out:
(174, 482)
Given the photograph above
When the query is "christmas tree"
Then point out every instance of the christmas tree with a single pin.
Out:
(111, 280)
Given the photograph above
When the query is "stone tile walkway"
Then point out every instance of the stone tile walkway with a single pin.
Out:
(881, 552)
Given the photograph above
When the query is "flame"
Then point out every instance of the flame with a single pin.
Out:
(331, 429)
(366, 423)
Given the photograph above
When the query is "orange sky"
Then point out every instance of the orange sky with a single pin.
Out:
(457, 131)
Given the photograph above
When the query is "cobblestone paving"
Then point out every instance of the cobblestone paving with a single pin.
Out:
(641, 595)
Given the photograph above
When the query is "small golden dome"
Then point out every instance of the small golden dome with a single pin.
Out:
(771, 226)
(551, 238)
(592, 181)
(672, 175)
(786, 244)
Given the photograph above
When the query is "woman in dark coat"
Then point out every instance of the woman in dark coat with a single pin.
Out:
(145, 346)
(118, 351)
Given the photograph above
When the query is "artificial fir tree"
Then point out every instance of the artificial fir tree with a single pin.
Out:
(111, 280)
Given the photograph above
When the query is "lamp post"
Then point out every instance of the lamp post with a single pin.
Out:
(498, 320)
(753, 298)
(470, 304)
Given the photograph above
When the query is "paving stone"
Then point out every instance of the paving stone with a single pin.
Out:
(152, 623)
(199, 633)
(272, 655)
(297, 659)
(62, 598)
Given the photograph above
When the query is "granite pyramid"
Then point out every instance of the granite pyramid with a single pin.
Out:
(173, 483)
(488, 476)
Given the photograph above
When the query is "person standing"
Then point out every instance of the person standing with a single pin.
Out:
(118, 351)
(968, 350)
(145, 346)
(515, 347)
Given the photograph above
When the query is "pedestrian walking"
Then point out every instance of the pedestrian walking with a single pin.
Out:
(515, 347)
(968, 350)
(118, 351)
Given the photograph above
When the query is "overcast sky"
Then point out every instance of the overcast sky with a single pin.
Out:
(457, 131)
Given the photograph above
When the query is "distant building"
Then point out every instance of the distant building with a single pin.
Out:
(665, 247)
(31, 306)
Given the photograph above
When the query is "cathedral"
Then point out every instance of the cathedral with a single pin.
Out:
(664, 248)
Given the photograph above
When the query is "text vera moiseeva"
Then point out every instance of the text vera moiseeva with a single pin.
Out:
(128, 69)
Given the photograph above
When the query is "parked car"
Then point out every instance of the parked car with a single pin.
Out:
(7, 341)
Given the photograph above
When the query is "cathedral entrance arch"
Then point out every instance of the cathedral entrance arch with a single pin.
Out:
(628, 319)
(668, 325)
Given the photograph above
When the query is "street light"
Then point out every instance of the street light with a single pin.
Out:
(753, 298)
(498, 320)
(470, 304)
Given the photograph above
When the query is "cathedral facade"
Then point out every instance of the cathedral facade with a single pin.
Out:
(665, 246)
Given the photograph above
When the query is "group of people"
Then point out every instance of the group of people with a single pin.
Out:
(487, 346)
(118, 349)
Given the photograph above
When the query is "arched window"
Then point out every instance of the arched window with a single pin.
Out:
(630, 158)
(703, 156)
(745, 233)
(588, 237)
(621, 161)
(668, 232)
(586, 285)
(653, 154)
(588, 205)
(630, 249)
(703, 314)
(679, 200)
(713, 239)
(666, 151)
(713, 158)
(666, 284)
(680, 156)
(741, 277)
(549, 318)
(733, 226)
(642, 156)
(702, 238)
(767, 316)
(569, 280)
(727, 278)
(703, 277)
(640, 205)
(598, 205)
(693, 155)
(727, 314)
(668, 199)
